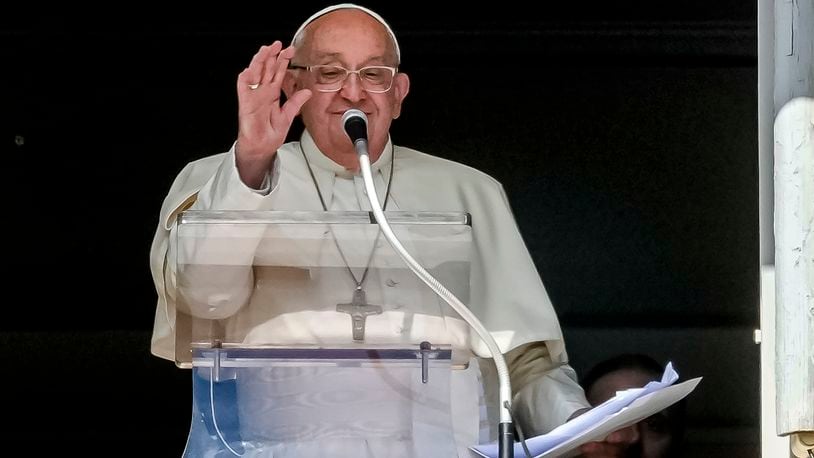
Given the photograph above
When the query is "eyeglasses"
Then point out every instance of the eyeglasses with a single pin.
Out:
(330, 78)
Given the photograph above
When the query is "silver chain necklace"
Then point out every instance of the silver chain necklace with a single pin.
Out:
(358, 308)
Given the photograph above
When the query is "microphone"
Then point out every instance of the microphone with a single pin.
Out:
(355, 124)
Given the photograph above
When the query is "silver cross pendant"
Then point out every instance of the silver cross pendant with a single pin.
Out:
(359, 310)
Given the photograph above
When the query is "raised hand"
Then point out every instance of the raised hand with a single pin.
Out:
(263, 122)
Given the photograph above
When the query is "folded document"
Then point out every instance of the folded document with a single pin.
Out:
(624, 409)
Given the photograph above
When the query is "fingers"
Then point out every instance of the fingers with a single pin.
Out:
(615, 444)
(262, 68)
(294, 104)
(244, 82)
(627, 435)
(277, 74)
(265, 58)
(269, 62)
(263, 120)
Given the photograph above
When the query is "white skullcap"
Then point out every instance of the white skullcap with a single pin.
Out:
(343, 6)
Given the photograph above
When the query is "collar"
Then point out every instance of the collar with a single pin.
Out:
(318, 159)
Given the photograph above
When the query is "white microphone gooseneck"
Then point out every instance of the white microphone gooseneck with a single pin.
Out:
(351, 121)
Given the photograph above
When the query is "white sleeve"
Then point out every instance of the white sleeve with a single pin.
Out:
(545, 392)
(271, 179)
(217, 279)
(209, 184)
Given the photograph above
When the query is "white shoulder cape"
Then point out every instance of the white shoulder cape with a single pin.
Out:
(507, 294)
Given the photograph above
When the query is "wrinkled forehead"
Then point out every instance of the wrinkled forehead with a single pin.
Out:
(298, 35)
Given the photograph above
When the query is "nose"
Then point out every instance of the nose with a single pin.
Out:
(352, 88)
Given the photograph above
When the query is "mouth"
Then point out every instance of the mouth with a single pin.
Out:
(341, 113)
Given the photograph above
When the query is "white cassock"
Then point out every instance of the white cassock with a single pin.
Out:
(506, 292)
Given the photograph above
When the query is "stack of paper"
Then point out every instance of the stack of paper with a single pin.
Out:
(624, 409)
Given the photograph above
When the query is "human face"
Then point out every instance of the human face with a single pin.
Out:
(351, 39)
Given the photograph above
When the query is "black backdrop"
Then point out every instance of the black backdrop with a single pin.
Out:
(625, 136)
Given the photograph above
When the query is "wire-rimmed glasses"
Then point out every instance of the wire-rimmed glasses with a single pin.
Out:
(330, 78)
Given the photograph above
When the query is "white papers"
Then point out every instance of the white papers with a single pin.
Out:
(624, 409)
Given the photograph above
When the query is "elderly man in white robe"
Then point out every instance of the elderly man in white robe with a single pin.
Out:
(346, 57)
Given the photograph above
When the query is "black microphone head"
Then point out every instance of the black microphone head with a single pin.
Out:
(355, 124)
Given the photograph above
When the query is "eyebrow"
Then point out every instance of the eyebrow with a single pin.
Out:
(377, 60)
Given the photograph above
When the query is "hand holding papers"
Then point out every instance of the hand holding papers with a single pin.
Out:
(624, 409)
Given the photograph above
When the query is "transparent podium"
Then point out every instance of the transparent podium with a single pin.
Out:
(308, 336)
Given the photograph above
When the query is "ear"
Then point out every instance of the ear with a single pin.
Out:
(401, 86)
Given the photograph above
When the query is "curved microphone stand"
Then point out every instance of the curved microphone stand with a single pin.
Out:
(355, 124)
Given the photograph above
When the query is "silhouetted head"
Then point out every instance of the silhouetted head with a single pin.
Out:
(660, 435)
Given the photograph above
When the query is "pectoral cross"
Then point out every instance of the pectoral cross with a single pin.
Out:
(359, 309)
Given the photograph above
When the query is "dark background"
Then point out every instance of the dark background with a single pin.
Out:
(624, 134)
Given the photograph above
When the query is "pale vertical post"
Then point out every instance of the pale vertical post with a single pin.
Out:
(794, 264)
(794, 214)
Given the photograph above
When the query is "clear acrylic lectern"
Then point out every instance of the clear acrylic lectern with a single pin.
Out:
(308, 336)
